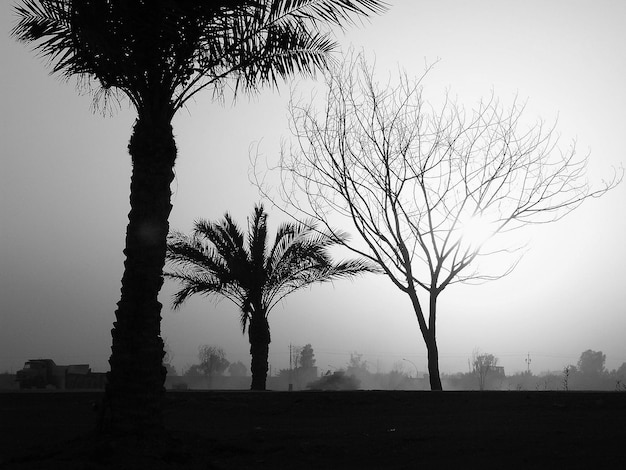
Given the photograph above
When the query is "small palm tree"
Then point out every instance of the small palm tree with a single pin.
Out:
(215, 260)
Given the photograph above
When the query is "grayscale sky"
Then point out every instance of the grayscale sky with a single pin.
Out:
(64, 185)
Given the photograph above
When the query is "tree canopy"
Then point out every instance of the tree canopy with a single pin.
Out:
(219, 259)
(162, 52)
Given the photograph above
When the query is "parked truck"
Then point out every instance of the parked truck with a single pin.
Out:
(44, 373)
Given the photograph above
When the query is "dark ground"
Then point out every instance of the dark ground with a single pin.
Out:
(330, 430)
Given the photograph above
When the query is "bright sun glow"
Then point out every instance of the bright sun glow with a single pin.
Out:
(476, 231)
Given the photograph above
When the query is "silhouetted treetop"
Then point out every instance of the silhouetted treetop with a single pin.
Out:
(307, 357)
(591, 362)
(173, 48)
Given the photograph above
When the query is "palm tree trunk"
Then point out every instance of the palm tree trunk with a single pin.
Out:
(259, 336)
(136, 380)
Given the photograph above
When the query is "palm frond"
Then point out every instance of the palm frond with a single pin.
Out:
(287, 233)
(210, 231)
(302, 247)
(196, 283)
(190, 253)
(200, 268)
(286, 52)
(300, 258)
(47, 24)
(257, 238)
(272, 40)
(214, 260)
(235, 254)
(130, 45)
(182, 47)
(232, 231)
(227, 239)
(244, 318)
(305, 276)
(336, 12)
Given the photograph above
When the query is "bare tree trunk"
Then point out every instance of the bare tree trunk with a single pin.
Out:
(136, 380)
(433, 363)
(431, 340)
(428, 333)
(259, 335)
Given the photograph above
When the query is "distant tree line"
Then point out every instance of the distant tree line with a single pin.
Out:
(589, 373)
(212, 363)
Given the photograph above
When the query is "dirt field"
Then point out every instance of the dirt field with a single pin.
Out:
(331, 430)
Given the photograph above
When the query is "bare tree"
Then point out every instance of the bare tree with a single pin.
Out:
(427, 188)
(483, 364)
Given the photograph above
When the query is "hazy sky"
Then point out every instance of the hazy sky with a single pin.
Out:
(64, 186)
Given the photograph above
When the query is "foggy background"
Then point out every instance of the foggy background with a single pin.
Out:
(65, 175)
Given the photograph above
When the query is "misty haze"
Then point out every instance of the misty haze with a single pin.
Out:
(271, 233)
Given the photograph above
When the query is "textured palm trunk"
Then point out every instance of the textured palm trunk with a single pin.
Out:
(259, 336)
(136, 380)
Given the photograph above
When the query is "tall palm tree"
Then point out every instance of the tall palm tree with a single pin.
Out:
(159, 54)
(215, 260)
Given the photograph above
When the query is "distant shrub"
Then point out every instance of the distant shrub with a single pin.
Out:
(336, 381)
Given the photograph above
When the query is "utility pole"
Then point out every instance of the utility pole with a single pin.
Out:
(528, 361)
(411, 362)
